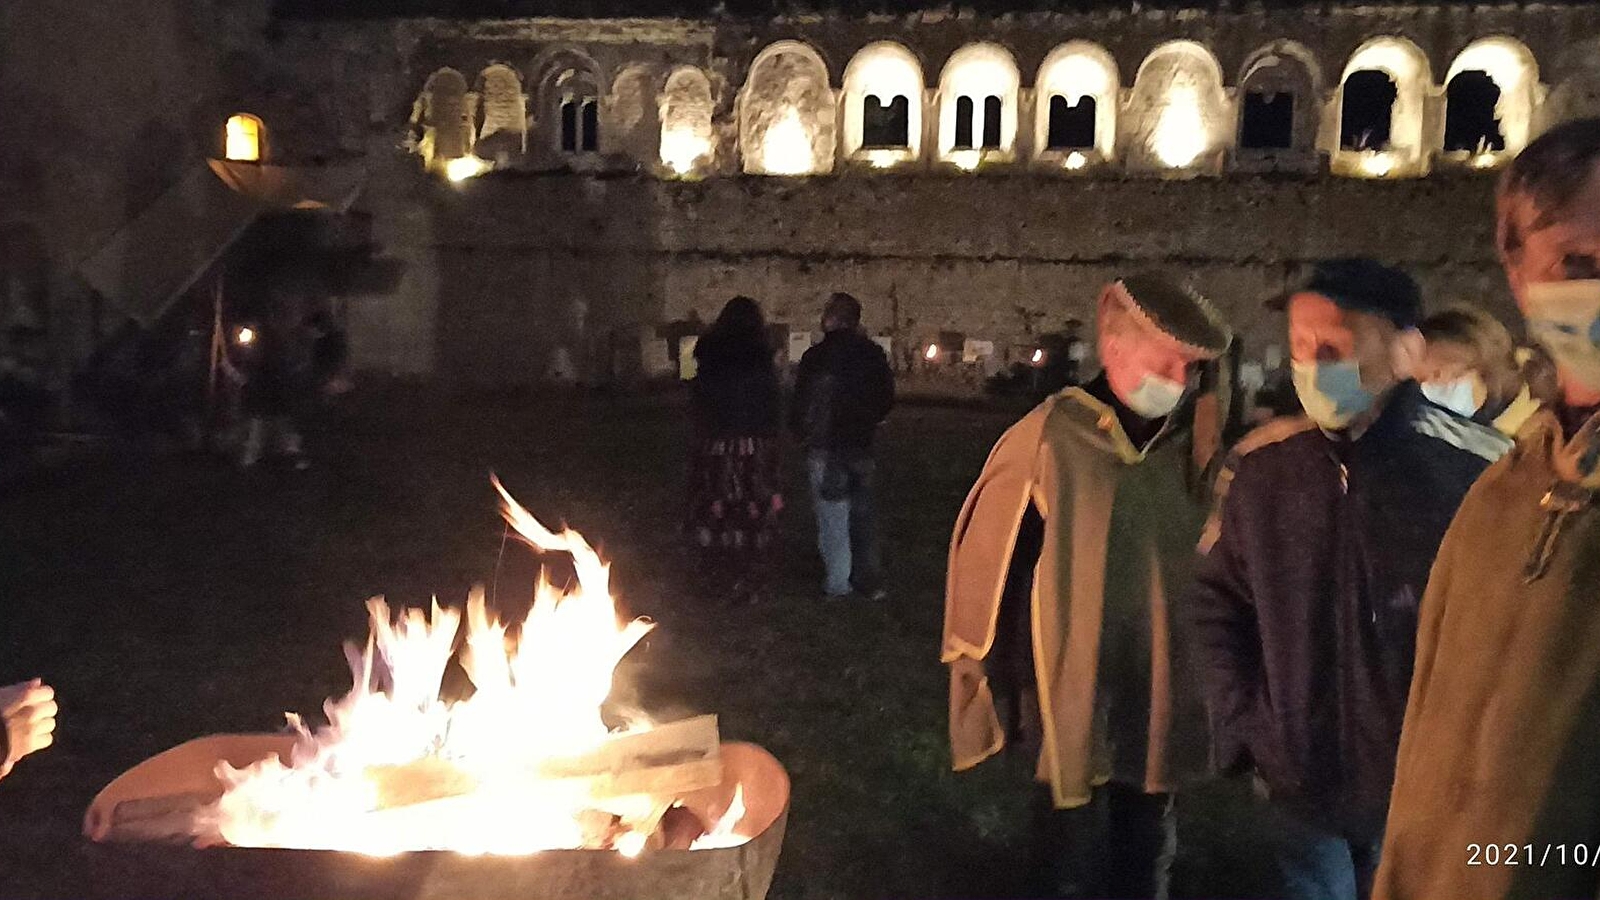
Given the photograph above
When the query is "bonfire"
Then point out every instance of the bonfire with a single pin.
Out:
(523, 763)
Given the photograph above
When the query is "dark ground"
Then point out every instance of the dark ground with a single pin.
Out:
(168, 597)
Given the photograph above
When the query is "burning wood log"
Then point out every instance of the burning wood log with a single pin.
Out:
(664, 762)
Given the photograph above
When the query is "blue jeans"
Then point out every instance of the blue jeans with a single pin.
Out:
(847, 533)
(1317, 864)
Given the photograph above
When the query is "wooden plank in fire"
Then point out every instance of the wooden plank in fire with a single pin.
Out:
(668, 760)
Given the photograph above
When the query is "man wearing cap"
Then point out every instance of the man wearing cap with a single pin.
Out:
(1497, 785)
(1304, 612)
(1060, 630)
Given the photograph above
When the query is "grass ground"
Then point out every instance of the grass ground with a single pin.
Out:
(169, 597)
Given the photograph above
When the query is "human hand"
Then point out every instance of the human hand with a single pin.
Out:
(29, 712)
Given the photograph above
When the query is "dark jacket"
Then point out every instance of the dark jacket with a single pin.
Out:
(843, 390)
(735, 391)
(1305, 607)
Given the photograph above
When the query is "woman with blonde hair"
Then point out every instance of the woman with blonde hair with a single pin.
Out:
(1473, 368)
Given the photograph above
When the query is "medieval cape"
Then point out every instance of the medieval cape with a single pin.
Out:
(1120, 525)
(1497, 785)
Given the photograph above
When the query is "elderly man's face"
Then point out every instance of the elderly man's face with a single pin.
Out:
(1320, 331)
(1131, 349)
(1563, 247)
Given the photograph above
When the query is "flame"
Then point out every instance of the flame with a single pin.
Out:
(468, 779)
(1075, 161)
(722, 834)
(1038, 357)
(246, 336)
(932, 353)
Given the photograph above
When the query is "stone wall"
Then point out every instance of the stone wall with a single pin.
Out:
(508, 268)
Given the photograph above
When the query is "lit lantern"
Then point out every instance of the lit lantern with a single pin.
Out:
(1075, 161)
(1038, 356)
(786, 147)
(245, 336)
(932, 353)
(463, 167)
(242, 141)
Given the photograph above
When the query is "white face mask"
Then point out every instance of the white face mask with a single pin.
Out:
(1460, 396)
(1155, 396)
(1564, 316)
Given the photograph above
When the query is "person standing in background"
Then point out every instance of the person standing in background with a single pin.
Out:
(735, 482)
(843, 390)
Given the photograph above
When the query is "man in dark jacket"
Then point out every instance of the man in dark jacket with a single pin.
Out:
(843, 390)
(1305, 608)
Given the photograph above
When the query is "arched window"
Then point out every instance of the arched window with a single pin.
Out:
(1490, 94)
(686, 131)
(964, 120)
(503, 121)
(885, 125)
(978, 104)
(1077, 107)
(1181, 110)
(1279, 90)
(568, 111)
(1380, 106)
(786, 113)
(243, 138)
(580, 120)
(883, 98)
(441, 119)
(1366, 110)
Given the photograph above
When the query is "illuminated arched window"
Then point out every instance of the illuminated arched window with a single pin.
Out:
(441, 119)
(1279, 103)
(978, 104)
(1077, 106)
(883, 104)
(243, 139)
(685, 109)
(1181, 108)
(786, 113)
(1490, 94)
(503, 119)
(1380, 102)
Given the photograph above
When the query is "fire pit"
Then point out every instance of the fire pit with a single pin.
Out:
(517, 790)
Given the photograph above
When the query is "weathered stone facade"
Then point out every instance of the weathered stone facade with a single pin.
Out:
(561, 251)
(640, 168)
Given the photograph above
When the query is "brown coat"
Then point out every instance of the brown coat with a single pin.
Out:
(1501, 741)
(1120, 528)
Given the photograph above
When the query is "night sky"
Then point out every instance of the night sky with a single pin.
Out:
(690, 8)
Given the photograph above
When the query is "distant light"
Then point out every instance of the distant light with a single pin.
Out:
(1180, 132)
(246, 336)
(966, 160)
(683, 148)
(786, 147)
(1075, 161)
(884, 158)
(463, 167)
(1378, 165)
(932, 353)
(243, 139)
(1485, 160)
(1038, 356)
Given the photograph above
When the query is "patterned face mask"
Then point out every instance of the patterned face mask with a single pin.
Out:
(1564, 317)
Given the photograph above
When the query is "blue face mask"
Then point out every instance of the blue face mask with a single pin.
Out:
(1331, 392)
